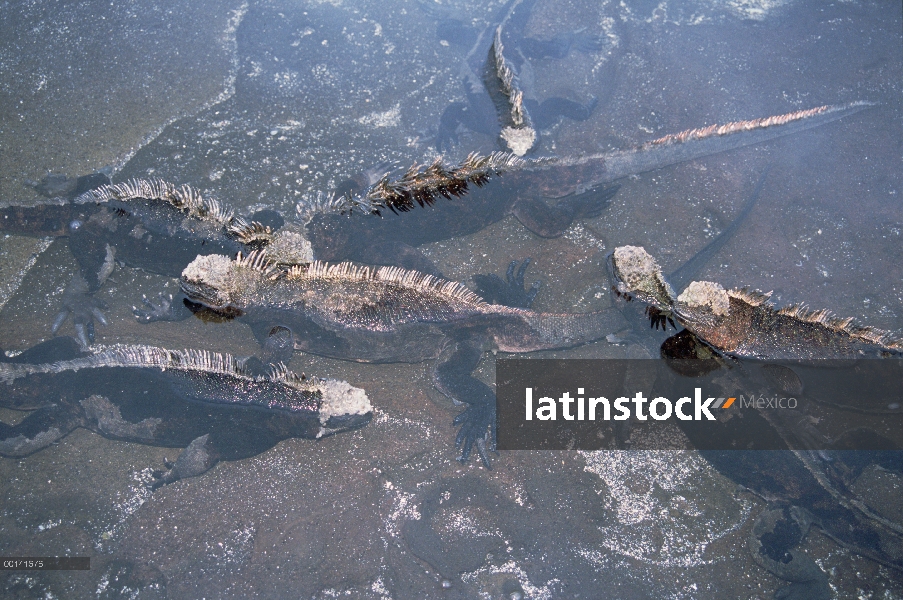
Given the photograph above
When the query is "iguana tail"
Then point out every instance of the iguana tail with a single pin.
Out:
(546, 331)
(697, 143)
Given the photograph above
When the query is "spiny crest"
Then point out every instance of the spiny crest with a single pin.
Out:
(183, 197)
(281, 373)
(736, 126)
(322, 270)
(394, 275)
(321, 203)
(422, 186)
(823, 317)
(423, 281)
(332, 203)
(250, 233)
(751, 297)
(517, 129)
(256, 260)
(502, 70)
(801, 312)
(848, 326)
(133, 356)
(508, 81)
(152, 356)
(203, 361)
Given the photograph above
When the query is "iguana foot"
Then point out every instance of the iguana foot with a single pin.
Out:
(511, 291)
(772, 543)
(659, 318)
(453, 378)
(477, 429)
(199, 457)
(84, 308)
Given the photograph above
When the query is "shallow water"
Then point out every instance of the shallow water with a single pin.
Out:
(265, 104)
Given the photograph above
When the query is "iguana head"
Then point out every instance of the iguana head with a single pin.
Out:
(222, 284)
(635, 274)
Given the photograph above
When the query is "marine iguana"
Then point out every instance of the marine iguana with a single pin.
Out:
(808, 487)
(148, 224)
(212, 404)
(742, 323)
(509, 185)
(489, 75)
(386, 315)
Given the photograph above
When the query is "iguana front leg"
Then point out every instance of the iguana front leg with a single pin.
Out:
(84, 309)
(165, 308)
(510, 291)
(200, 456)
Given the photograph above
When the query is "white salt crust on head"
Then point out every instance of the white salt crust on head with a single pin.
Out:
(706, 294)
(341, 398)
(519, 139)
(213, 269)
(290, 248)
(639, 271)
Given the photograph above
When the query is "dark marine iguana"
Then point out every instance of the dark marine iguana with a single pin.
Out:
(809, 487)
(509, 185)
(742, 323)
(386, 315)
(148, 224)
(212, 404)
(496, 104)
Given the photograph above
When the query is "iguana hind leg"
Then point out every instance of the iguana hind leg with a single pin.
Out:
(200, 456)
(773, 542)
(453, 377)
(84, 309)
